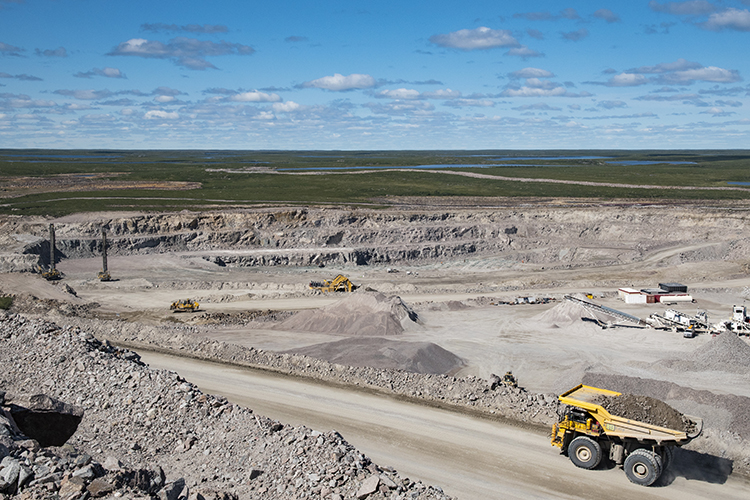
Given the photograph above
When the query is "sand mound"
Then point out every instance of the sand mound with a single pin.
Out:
(726, 352)
(644, 409)
(375, 352)
(563, 314)
(724, 349)
(360, 314)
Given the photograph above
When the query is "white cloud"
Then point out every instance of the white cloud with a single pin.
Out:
(161, 115)
(534, 92)
(689, 8)
(708, 74)
(254, 96)
(476, 103)
(523, 52)
(442, 94)
(575, 36)
(285, 107)
(186, 52)
(733, 19)
(717, 112)
(626, 80)
(531, 73)
(341, 83)
(86, 94)
(678, 65)
(607, 15)
(477, 39)
(400, 94)
(164, 99)
(612, 104)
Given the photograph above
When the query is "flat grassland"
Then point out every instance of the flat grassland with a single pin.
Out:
(48, 182)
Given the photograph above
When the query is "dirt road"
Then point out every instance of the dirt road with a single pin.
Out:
(469, 458)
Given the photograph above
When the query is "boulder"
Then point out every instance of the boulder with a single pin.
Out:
(46, 420)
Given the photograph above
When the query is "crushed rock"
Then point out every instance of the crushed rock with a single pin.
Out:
(644, 409)
(378, 352)
(149, 432)
(359, 314)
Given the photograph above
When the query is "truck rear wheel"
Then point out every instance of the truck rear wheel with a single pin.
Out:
(666, 457)
(584, 452)
(643, 467)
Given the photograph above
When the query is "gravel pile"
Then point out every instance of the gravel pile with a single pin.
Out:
(150, 433)
(465, 393)
(377, 352)
(360, 314)
(725, 351)
(644, 409)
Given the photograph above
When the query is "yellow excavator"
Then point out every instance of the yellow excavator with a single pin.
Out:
(184, 305)
(339, 284)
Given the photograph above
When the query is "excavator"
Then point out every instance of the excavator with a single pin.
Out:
(339, 284)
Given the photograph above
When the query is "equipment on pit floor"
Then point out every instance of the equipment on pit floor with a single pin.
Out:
(184, 305)
(589, 433)
(614, 313)
(339, 284)
(509, 380)
(52, 273)
(104, 273)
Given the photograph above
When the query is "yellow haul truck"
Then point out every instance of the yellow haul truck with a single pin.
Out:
(588, 433)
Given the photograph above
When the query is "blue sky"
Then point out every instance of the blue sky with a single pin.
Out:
(177, 74)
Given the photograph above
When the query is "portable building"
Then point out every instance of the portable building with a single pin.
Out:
(673, 287)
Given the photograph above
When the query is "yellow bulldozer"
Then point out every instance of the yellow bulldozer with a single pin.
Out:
(339, 284)
(184, 305)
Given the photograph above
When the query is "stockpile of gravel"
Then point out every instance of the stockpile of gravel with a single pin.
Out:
(441, 390)
(644, 409)
(359, 314)
(150, 432)
(725, 352)
(377, 352)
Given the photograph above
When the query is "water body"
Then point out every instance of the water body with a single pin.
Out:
(76, 157)
(380, 167)
(643, 162)
(738, 183)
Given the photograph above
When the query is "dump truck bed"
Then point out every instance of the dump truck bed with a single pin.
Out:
(583, 396)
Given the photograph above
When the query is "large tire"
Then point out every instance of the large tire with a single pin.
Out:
(643, 467)
(667, 457)
(584, 452)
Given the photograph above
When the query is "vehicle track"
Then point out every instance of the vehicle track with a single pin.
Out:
(469, 457)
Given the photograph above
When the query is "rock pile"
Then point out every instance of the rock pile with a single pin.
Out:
(467, 393)
(644, 409)
(360, 314)
(149, 432)
(377, 352)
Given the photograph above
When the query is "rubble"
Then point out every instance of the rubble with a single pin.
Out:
(151, 433)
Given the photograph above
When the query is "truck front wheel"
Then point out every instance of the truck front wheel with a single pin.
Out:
(584, 452)
(642, 467)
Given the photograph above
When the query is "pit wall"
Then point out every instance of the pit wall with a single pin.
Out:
(566, 237)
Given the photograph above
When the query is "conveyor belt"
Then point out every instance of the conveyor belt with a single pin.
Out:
(591, 306)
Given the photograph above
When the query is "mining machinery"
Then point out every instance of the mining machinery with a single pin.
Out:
(52, 273)
(104, 273)
(339, 284)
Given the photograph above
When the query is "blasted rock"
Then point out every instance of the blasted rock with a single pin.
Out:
(48, 421)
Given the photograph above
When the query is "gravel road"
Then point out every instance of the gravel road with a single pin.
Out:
(469, 458)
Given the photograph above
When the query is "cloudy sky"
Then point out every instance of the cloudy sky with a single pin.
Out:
(374, 75)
